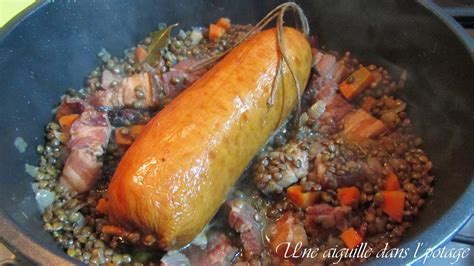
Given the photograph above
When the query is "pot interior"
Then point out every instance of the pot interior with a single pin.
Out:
(55, 48)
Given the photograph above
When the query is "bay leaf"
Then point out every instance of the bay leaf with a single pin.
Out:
(159, 40)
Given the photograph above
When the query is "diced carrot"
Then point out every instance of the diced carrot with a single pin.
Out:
(224, 23)
(122, 136)
(348, 90)
(64, 137)
(141, 54)
(391, 183)
(351, 238)
(65, 122)
(135, 130)
(348, 196)
(393, 204)
(368, 103)
(299, 198)
(356, 83)
(215, 32)
(112, 230)
(102, 206)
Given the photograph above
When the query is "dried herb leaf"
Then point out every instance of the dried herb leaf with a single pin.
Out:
(159, 40)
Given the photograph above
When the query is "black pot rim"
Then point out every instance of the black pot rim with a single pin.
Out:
(437, 234)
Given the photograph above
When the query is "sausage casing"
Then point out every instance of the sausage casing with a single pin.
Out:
(174, 177)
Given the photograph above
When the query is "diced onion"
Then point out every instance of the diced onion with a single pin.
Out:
(173, 258)
(201, 239)
(303, 119)
(104, 55)
(182, 34)
(317, 109)
(196, 36)
(35, 186)
(20, 144)
(44, 198)
(31, 169)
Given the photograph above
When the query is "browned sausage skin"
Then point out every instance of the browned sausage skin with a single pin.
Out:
(175, 176)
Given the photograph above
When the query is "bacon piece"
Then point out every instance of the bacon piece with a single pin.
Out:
(317, 55)
(340, 71)
(182, 72)
(108, 77)
(286, 235)
(328, 88)
(326, 65)
(80, 171)
(242, 219)
(219, 251)
(91, 131)
(321, 217)
(335, 104)
(89, 135)
(360, 125)
(335, 107)
(150, 85)
(125, 93)
(71, 105)
(107, 98)
(338, 108)
(143, 82)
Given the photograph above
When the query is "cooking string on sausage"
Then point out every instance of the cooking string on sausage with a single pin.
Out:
(277, 13)
(173, 178)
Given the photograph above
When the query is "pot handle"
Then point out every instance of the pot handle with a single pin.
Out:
(459, 19)
(463, 15)
(463, 239)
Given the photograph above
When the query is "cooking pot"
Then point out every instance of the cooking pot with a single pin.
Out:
(52, 46)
